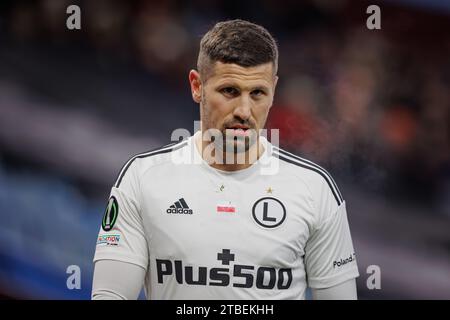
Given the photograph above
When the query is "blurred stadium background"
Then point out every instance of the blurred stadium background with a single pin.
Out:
(373, 107)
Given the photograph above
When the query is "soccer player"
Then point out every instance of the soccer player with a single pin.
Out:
(190, 221)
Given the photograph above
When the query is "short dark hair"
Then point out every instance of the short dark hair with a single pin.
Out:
(237, 41)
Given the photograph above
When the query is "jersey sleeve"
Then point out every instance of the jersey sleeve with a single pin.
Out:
(116, 280)
(121, 236)
(329, 255)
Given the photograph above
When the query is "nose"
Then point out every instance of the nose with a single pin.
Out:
(243, 110)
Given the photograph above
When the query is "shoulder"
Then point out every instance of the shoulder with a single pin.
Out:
(145, 160)
(318, 179)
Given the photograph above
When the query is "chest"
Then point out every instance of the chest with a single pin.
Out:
(194, 217)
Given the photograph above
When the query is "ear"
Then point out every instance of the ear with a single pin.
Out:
(196, 85)
(275, 81)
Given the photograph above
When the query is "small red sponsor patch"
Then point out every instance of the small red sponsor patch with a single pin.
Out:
(226, 209)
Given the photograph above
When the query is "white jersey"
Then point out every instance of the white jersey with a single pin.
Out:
(202, 233)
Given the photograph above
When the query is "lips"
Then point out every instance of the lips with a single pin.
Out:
(239, 129)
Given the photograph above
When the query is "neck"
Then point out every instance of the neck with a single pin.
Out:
(230, 162)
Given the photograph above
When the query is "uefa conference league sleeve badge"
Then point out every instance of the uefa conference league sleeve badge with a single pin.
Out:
(111, 213)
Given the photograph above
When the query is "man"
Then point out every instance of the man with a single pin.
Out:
(220, 227)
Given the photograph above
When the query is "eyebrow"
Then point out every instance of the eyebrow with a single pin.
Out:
(251, 88)
(262, 88)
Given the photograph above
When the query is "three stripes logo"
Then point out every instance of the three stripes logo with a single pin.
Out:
(179, 207)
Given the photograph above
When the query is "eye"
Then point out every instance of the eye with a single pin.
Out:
(229, 91)
(258, 92)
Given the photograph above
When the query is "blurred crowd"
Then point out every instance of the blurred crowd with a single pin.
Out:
(372, 108)
(371, 105)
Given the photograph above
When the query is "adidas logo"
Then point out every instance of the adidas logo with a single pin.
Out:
(179, 207)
